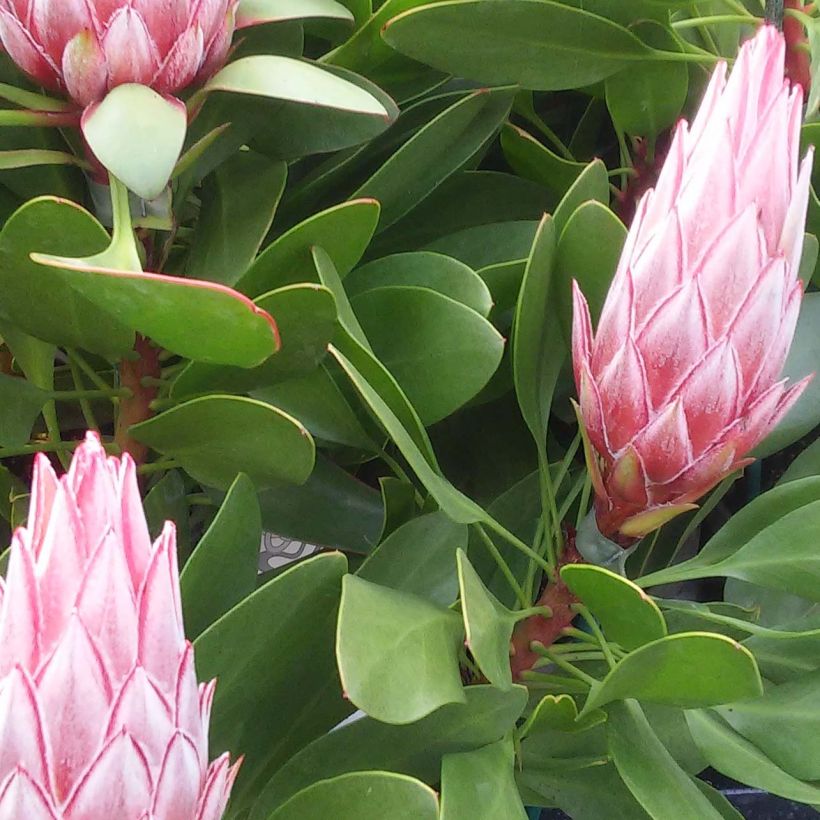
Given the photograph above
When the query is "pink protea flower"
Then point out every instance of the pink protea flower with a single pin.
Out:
(87, 47)
(100, 713)
(681, 378)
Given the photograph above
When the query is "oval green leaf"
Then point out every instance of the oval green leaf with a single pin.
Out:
(398, 654)
(626, 613)
(216, 437)
(689, 670)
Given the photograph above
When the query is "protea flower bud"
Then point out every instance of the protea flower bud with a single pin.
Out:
(100, 713)
(681, 378)
(87, 47)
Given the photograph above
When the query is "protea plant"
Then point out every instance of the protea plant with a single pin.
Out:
(682, 377)
(87, 47)
(100, 713)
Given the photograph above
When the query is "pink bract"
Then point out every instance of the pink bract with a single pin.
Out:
(101, 716)
(87, 47)
(682, 377)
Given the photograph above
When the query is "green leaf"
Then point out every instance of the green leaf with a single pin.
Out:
(331, 508)
(436, 151)
(648, 97)
(254, 12)
(805, 465)
(216, 437)
(481, 785)
(532, 160)
(423, 269)
(440, 352)
(419, 557)
(329, 277)
(306, 319)
(650, 772)
(538, 350)
(719, 802)
(802, 360)
(488, 625)
(38, 300)
(746, 525)
(167, 501)
(734, 756)
(588, 252)
(460, 508)
(20, 405)
(222, 570)
(362, 796)
(178, 314)
(297, 107)
(137, 135)
(784, 724)
(536, 44)
(238, 203)
(268, 711)
(343, 231)
(626, 613)
(415, 749)
(559, 713)
(592, 184)
(397, 653)
(690, 670)
(318, 402)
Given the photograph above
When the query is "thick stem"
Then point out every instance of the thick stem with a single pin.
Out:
(543, 630)
(137, 407)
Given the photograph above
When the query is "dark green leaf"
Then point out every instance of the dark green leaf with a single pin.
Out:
(238, 203)
(425, 270)
(343, 232)
(306, 319)
(20, 405)
(216, 437)
(592, 184)
(537, 44)
(415, 749)
(269, 711)
(419, 557)
(332, 509)
(362, 796)
(222, 570)
(436, 151)
(440, 352)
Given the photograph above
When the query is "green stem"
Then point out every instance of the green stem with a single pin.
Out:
(684, 57)
(544, 611)
(400, 473)
(49, 447)
(552, 523)
(85, 405)
(596, 631)
(53, 429)
(502, 565)
(75, 356)
(80, 395)
(158, 466)
(583, 507)
(589, 655)
(696, 22)
(123, 251)
(516, 542)
(540, 649)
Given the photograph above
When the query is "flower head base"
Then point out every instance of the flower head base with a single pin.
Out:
(100, 712)
(87, 47)
(681, 378)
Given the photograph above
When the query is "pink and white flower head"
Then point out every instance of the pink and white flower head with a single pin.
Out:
(682, 377)
(101, 716)
(87, 47)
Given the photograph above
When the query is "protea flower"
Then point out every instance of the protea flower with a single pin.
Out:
(682, 377)
(100, 713)
(87, 47)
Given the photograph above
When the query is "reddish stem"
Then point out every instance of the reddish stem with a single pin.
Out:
(798, 61)
(137, 407)
(546, 631)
